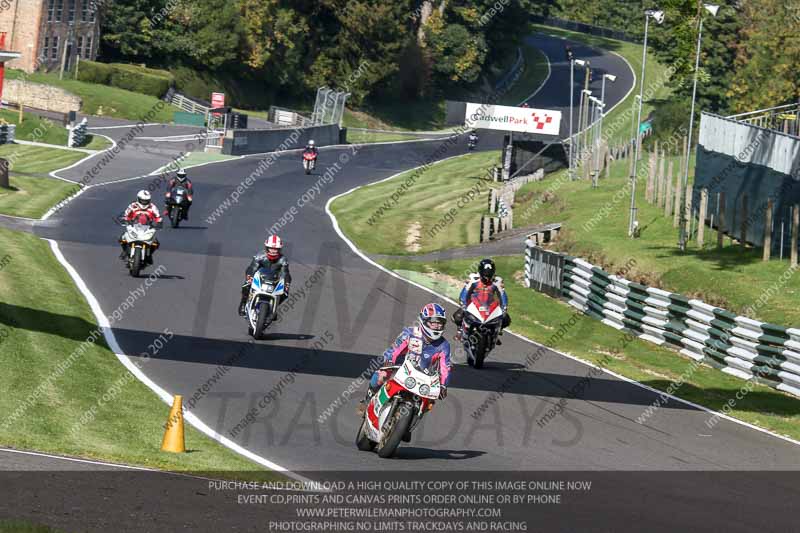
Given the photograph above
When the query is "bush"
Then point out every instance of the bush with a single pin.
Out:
(144, 70)
(93, 72)
(139, 82)
(130, 77)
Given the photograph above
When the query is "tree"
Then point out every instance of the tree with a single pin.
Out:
(767, 61)
(127, 28)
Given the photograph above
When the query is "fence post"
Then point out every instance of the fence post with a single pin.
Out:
(688, 214)
(660, 183)
(795, 224)
(721, 223)
(678, 197)
(701, 223)
(768, 231)
(668, 192)
(743, 236)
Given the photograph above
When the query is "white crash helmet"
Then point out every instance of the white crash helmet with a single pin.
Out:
(143, 198)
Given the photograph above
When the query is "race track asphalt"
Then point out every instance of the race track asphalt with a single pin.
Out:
(346, 311)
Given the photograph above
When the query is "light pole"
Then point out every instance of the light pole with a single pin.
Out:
(612, 79)
(658, 16)
(597, 115)
(711, 8)
(581, 63)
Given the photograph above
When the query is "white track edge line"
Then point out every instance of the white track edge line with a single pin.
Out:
(123, 126)
(546, 79)
(363, 256)
(166, 397)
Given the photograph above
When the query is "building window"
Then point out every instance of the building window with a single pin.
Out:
(51, 7)
(54, 48)
(87, 53)
(46, 47)
(79, 51)
(84, 10)
(71, 10)
(59, 15)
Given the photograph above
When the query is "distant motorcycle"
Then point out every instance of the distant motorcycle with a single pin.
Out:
(471, 142)
(177, 205)
(309, 161)
(479, 331)
(140, 235)
(267, 287)
(398, 407)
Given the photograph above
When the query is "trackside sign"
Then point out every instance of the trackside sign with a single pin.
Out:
(506, 118)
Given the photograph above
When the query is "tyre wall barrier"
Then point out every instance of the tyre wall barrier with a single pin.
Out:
(737, 345)
(242, 142)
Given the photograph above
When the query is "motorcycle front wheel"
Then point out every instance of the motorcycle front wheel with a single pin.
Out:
(398, 425)
(136, 265)
(480, 349)
(263, 321)
(175, 217)
(362, 440)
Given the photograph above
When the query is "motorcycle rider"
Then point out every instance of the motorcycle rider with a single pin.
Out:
(486, 287)
(473, 137)
(271, 257)
(311, 148)
(145, 210)
(182, 180)
(425, 342)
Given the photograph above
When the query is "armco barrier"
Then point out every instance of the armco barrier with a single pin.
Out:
(242, 142)
(737, 345)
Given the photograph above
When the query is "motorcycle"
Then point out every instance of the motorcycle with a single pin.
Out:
(471, 142)
(397, 408)
(267, 287)
(309, 161)
(140, 236)
(479, 331)
(177, 204)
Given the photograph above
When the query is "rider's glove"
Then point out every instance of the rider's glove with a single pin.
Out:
(443, 393)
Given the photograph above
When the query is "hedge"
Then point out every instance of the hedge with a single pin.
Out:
(130, 77)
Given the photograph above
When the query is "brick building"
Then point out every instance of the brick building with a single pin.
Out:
(45, 29)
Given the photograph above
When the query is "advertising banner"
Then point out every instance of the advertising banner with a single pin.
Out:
(506, 118)
(546, 271)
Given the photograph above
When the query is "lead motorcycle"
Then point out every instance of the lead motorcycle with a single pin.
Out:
(398, 407)
(140, 235)
(480, 329)
(309, 161)
(266, 289)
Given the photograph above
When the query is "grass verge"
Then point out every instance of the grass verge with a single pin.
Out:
(538, 317)
(42, 325)
(102, 100)
(365, 137)
(595, 228)
(442, 209)
(532, 77)
(37, 129)
(32, 196)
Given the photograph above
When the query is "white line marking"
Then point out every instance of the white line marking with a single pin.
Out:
(541, 85)
(134, 125)
(572, 357)
(55, 146)
(165, 396)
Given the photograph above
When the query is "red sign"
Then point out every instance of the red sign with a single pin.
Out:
(217, 99)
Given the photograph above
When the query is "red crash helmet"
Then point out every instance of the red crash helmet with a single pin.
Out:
(273, 246)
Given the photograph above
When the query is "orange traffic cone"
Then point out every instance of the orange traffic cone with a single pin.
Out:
(173, 434)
